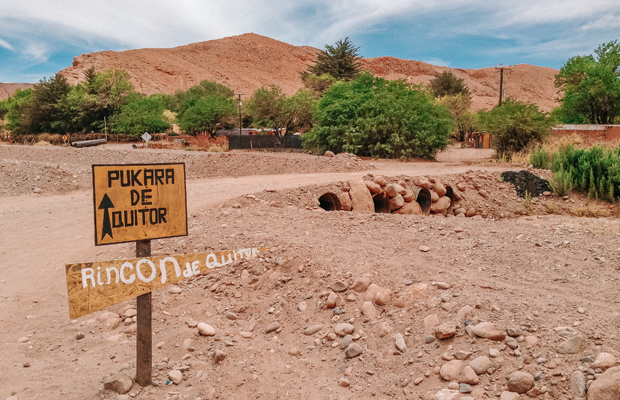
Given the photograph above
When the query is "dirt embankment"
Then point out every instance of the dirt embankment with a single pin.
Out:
(7, 89)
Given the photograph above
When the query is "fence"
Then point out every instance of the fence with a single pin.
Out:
(264, 142)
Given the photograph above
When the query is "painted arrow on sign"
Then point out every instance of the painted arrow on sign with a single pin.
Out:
(105, 205)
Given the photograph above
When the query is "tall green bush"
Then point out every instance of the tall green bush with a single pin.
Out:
(539, 157)
(371, 116)
(593, 171)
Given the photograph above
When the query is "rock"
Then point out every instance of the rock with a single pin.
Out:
(373, 187)
(333, 300)
(520, 382)
(345, 201)
(206, 329)
(417, 291)
(103, 317)
(487, 330)
(112, 323)
(174, 290)
(446, 394)
(302, 306)
(272, 327)
(494, 353)
(464, 388)
(531, 340)
(445, 331)
(470, 212)
(399, 342)
(78, 336)
(409, 196)
(396, 202)
(451, 370)
(578, 384)
(462, 354)
(353, 350)
(484, 194)
(604, 361)
(175, 376)
(424, 249)
(219, 356)
(329, 153)
(394, 189)
(422, 181)
(361, 284)
(338, 286)
(369, 310)
(570, 346)
(384, 329)
(464, 314)
(312, 329)
(443, 285)
(371, 292)
(412, 208)
(480, 365)
(381, 181)
(344, 382)
(187, 345)
(431, 321)
(361, 199)
(37, 191)
(439, 188)
(120, 383)
(468, 375)
(606, 386)
(511, 342)
(434, 197)
(344, 329)
(383, 297)
(441, 205)
(509, 396)
(346, 341)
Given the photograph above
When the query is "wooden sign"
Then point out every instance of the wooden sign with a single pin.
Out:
(94, 286)
(139, 202)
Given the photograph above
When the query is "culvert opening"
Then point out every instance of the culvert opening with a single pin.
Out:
(382, 203)
(423, 197)
(330, 202)
(450, 193)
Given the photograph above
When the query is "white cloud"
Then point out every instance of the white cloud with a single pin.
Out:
(5, 44)
(436, 61)
(607, 21)
(36, 51)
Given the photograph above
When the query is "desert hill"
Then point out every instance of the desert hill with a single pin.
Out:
(7, 89)
(249, 61)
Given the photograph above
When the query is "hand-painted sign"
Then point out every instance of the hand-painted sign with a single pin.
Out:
(94, 286)
(139, 202)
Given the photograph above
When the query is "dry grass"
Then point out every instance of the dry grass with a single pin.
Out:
(42, 143)
(215, 149)
(553, 207)
(554, 145)
(588, 210)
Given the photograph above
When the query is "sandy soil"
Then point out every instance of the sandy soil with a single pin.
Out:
(531, 273)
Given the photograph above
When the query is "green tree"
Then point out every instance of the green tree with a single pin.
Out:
(459, 105)
(342, 61)
(9, 107)
(515, 125)
(140, 115)
(371, 116)
(591, 86)
(42, 111)
(271, 108)
(206, 114)
(447, 84)
(317, 84)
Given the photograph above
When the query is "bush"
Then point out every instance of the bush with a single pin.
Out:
(515, 125)
(594, 171)
(539, 157)
(562, 183)
(374, 117)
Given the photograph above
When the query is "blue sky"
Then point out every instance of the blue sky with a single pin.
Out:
(40, 37)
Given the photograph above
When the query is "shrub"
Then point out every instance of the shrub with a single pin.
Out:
(594, 171)
(539, 157)
(374, 117)
(562, 183)
(515, 125)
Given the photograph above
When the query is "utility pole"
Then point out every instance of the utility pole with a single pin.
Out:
(239, 94)
(105, 128)
(501, 69)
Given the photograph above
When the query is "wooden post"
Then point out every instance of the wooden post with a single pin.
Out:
(144, 344)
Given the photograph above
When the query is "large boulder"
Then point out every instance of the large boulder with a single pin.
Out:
(412, 208)
(345, 201)
(119, 383)
(373, 187)
(441, 205)
(422, 181)
(520, 382)
(606, 386)
(396, 202)
(439, 189)
(361, 199)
